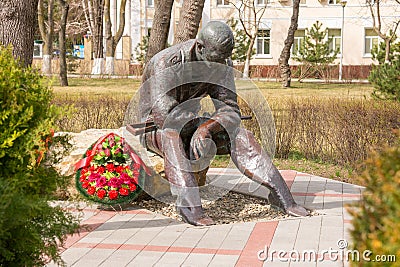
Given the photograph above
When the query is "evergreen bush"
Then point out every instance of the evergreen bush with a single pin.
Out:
(242, 42)
(315, 53)
(386, 80)
(31, 229)
(385, 77)
(376, 221)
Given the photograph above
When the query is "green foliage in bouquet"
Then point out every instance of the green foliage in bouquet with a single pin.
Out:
(376, 220)
(31, 229)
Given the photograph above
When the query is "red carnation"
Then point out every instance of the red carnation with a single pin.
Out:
(123, 191)
(110, 167)
(119, 169)
(91, 190)
(84, 171)
(101, 170)
(132, 187)
(85, 184)
(82, 178)
(88, 153)
(113, 194)
(101, 193)
(92, 168)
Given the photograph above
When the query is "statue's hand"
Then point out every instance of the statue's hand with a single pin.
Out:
(201, 142)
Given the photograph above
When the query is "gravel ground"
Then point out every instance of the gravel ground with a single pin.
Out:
(229, 208)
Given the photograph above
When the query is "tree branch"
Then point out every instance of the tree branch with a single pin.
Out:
(121, 26)
(86, 12)
(241, 19)
(42, 27)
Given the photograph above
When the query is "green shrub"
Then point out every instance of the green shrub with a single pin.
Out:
(386, 80)
(376, 220)
(31, 230)
(379, 51)
(315, 53)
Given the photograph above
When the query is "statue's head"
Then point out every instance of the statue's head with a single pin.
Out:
(215, 42)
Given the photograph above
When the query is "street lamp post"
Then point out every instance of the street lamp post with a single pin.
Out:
(343, 4)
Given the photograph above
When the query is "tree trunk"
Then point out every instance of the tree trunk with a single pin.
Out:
(46, 31)
(17, 27)
(189, 20)
(387, 50)
(61, 38)
(96, 12)
(110, 52)
(285, 54)
(112, 41)
(159, 31)
(246, 71)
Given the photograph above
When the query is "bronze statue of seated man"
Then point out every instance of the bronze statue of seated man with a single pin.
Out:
(182, 138)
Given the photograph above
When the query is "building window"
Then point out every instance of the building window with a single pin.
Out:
(263, 42)
(303, 2)
(37, 50)
(371, 40)
(334, 2)
(299, 36)
(150, 3)
(222, 2)
(335, 35)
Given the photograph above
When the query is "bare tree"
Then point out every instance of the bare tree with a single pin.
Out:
(76, 23)
(112, 41)
(250, 18)
(160, 27)
(285, 54)
(17, 27)
(61, 38)
(189, 20)
(377, 24)
(94, 11)
(46, 31)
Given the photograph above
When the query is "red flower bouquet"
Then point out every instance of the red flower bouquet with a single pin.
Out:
(110, 172)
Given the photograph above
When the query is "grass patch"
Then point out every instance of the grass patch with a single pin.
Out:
(320, 90)
(98, 87)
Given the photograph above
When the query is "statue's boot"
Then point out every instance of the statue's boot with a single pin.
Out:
(195, 216)
(254, 162)
(183, 183)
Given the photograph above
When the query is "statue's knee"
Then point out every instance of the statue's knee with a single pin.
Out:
(244, 133)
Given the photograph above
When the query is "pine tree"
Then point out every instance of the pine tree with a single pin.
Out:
(141, 49)
(315, 54)
(378, 52)
(242, 42)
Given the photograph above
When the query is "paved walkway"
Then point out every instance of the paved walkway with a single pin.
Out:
(142, 238)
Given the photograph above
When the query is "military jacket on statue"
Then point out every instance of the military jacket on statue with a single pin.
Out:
(172, 89)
